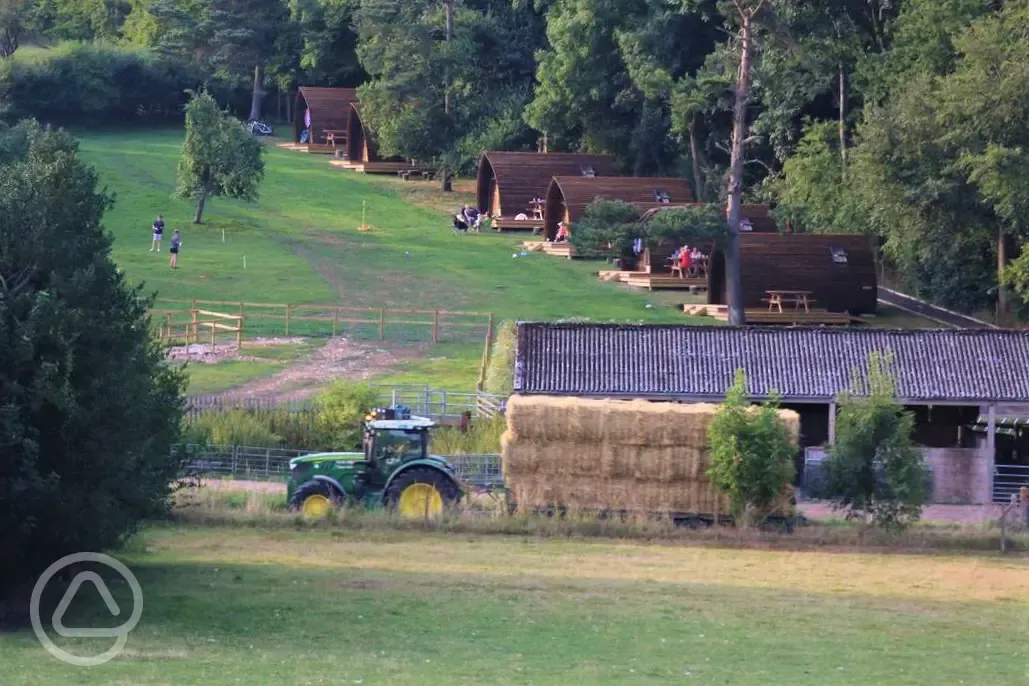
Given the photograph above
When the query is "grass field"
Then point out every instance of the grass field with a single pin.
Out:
(301, 245)
(346, 607)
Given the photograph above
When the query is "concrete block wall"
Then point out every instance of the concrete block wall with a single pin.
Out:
(960, 475)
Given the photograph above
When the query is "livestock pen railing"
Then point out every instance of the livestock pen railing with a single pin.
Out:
(179, 322)
(441, 406)
(251, 463)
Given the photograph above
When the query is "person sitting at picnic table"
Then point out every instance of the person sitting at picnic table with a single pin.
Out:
(562, 233)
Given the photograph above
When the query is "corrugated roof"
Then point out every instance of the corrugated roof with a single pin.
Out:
(699, 362)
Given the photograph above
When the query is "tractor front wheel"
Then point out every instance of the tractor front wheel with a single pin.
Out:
(315, 499)
(422, 493)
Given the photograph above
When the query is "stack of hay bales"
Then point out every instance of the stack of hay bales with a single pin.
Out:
(612, 454)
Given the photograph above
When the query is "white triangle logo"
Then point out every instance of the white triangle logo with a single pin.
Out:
(62, 607)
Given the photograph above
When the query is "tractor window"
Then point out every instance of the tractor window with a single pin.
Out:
(405, 445)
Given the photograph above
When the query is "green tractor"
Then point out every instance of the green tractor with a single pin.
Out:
(395, 471)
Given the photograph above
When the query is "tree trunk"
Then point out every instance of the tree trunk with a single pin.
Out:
(258, 93)
(734, 289)
(201, 200)
(1002, 291)
(698, 180)
(446, 181)
(842, 76)
(449, 7)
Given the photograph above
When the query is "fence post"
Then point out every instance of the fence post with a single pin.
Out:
(193, 324)
(335, 320)
(394, 399)
(267, 463)
(239, 333)
(214, 341)
(287, 319)
(382, 323)
(435, 327)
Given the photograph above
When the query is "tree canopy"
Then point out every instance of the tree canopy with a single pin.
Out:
(88, 407)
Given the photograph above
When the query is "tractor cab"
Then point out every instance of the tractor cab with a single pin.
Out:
(391, 437)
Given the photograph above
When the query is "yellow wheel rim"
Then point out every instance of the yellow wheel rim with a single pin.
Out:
(316, 506)
(420, 500)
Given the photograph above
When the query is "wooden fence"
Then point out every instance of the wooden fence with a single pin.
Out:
(184, 320)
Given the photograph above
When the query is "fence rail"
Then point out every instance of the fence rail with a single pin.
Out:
(1008, 479)
(441, 406)
(252, 463)
(176, 321)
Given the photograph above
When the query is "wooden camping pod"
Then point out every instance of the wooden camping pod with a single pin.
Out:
(838, 269)
(328, 108)
(361, 146)
(507, 182)
(569, 196)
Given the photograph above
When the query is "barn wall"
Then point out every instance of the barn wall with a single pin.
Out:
(961, 476)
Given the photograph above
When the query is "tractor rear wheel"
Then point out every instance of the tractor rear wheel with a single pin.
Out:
(315, 500)
(421, 493)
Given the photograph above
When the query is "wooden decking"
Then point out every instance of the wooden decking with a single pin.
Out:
(511, 224)
(614, 275)
(761, 316)
(559, 249)
(376, 167)
(314, 148)
(665, 281)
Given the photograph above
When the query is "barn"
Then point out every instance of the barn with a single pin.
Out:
(957, 383)
(321, 110)
(838, 269)
(508, 182)
(568, 196)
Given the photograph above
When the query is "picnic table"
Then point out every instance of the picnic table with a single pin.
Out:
(799, 299)
(537, 209)
(332, 134)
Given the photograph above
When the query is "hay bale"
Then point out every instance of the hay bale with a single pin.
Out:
(617, 494)
(565, 459)
(628, 422)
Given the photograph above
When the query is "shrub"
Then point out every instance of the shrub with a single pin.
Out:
(81, 84)
(235, 427)
(874, 471)
(500, 372)
(341, 408)
(751, 453)
(483, 437)
(89, 409)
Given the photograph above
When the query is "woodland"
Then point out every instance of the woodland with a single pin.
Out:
(903, 119)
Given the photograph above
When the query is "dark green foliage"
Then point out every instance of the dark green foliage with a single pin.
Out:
(607, 229)
(98, 84)
(696, 225)
(341, 408)
(874, 470)
(88, 408)
(751, 454)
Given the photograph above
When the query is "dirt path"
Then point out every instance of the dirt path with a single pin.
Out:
(338, 358)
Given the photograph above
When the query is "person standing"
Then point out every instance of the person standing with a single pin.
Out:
(176, 243)
(158, 234)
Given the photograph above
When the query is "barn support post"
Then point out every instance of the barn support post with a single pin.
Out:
(832, 423)
(991, 450)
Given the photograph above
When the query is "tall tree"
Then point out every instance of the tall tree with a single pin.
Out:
(219, 157)
(89, 408)
(15, 22)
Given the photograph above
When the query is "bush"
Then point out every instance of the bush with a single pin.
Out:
(500, 372)
(83, 84)
(235, 427)
(340, 410)
(89, 409)
(751, 454)
(483, 437)
(874, 471)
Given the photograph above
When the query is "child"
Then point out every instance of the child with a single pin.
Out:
(158, 233)
(176, 242)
